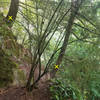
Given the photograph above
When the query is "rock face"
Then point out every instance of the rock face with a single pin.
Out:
(22, 72)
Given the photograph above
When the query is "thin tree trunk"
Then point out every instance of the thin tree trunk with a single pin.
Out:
(74, 9)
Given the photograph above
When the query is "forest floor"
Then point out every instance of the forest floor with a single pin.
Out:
(20, 93)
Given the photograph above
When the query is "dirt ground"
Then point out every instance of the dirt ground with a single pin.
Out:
(19, 93)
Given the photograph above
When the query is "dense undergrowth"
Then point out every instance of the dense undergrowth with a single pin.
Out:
(79, 74)
(6, 69)
(9, 70)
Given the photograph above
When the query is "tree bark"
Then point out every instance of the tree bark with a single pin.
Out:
(74, 9)
(12, 12)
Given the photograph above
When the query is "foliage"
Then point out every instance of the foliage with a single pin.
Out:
(81, 69)
(8, 49)
(6, 69)
(61, 91)
(94, 86)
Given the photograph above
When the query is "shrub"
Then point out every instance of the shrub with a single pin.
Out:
(61, 91)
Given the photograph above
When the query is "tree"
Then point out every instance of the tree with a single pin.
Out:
(74, 10)
(12, 11)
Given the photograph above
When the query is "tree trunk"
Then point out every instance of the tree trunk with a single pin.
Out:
(74, 9)
(12, 12)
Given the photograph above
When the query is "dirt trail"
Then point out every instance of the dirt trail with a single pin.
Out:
(19, 93)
